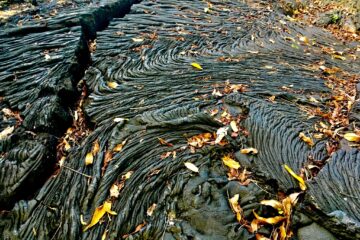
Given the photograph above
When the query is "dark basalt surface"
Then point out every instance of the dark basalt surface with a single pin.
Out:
(148, 54)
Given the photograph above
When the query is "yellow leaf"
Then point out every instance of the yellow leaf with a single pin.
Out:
(352, 137)
(67, 145)
(128, 175)
(82, 220)
(6, 132)
(336, 56)
(271, 220)
(103, 237)
(283, 234)
(249, 151)
(191, 167)
(297, 177)
(272, 203)
(306, 139)
(196, 65)
(89, 159)
(231, 163)
(99, 213)
(234, 126)
(112, 84)
(119, 146)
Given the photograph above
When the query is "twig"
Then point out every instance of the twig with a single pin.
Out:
(85, 175)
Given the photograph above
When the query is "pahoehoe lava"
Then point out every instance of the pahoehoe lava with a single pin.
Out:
(141, 75)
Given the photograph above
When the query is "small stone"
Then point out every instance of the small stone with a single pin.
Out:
(314, 232)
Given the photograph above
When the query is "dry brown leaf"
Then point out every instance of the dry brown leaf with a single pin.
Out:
(89, 159)
(163, 142)
(99, 213)
(96, 147)
(191, 167)
(249, 151)
(231, 163)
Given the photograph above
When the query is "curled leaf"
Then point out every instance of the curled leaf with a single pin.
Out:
(297, 177)
(191, 167)
(272, 203)
(352, 137)
(231, 163)
(271, 220)
(99, 213)
(234, 203)
(249, 151)
(196, 65)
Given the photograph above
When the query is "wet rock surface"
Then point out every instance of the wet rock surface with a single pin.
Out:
(141, 87)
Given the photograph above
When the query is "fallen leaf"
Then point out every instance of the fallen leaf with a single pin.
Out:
(151, 209)
(249, 151)
(191, 167)
(270, 220)
(272, 203)
(196, 65)
(103, 237)
(352, 137)
(89, 159)
(6, 132)
(272, 99)
(119, 147)
(234, 126)
(119, 119)
(297, 177)
(337, 56)
(67, 145)
(137, 39)
(128, 175)
(283, 234)
(163, 142)
(112, 84)
(234, 204)
(221, 133)
(231, 163)
(96, 147)
(99, 213)
(82, 220)
(306, 139)
(114, 191)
